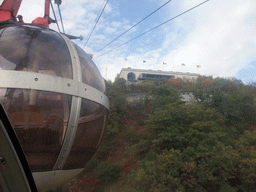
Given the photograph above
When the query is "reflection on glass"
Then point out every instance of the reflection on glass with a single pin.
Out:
(40, 120)
(89, 132)
(90, 73)
(30, 48)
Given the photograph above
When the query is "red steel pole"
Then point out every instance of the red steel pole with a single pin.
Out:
(47, 11)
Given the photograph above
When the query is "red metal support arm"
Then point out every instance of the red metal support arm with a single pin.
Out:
(9, 10)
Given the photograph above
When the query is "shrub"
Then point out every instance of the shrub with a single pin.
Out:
(108, 173)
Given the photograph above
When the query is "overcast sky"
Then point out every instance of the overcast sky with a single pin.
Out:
(219, 35)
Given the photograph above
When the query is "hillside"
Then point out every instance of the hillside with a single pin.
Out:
(164, 144)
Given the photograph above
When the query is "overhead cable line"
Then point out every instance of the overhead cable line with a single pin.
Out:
(99, 11)
(98, 14)
(133, 26)
(61, 19)
(58, 2)
(95, 24)
(55, 16)
(155, 27)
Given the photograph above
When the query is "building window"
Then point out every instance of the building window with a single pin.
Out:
(145, 76)
(131, 76)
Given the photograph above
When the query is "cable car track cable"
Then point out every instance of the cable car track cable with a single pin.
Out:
(96, 18)
(96, 23)
(55, 16)
(155, 27)
(99, 11)
(61, 18)
(133, 26)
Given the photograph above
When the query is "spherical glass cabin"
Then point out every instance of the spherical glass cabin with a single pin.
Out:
(54, 97)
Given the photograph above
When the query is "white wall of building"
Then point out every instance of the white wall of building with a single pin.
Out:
(125, 71)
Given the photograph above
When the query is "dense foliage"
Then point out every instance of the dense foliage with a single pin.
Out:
(160, 143)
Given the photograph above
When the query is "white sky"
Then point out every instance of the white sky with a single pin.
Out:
(220, 36)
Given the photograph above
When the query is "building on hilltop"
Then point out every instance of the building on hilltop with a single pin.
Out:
(136, 75)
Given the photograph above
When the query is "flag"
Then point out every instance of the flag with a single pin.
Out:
(144, 61)
(125, 59)
(182, 64)
(164, 63)
(198, 66)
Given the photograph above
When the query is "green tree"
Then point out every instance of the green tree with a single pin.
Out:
(192, 149)
(203, 88)
(108, 173)
(163, 95)
(120, 84)
(238, 108)
(178, 126)
(117, 104)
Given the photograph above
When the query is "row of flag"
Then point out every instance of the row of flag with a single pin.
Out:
(198, 66)
(144, 61)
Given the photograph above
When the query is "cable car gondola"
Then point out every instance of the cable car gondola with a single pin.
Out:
(53, 95)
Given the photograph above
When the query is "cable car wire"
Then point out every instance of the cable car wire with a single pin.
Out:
(133, 26)
(61, 18)
(96, 23)
(155, 27)
(55, 16)
(99, 11)
(96, 18)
